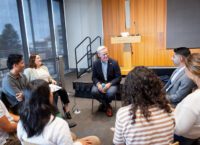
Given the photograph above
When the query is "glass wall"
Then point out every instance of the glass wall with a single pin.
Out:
(32, 27)
(38, 30)
(10, 33)
(60, 30)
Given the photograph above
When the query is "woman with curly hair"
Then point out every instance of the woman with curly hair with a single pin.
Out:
(147, 117)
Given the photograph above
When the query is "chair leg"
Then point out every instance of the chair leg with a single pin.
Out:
(115, 102)
(92, 103)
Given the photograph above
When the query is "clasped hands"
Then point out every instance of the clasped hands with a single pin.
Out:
(103, 87)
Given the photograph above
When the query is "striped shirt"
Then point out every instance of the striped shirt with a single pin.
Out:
(158, 131)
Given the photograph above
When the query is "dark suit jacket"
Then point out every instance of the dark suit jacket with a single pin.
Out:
(113, 72)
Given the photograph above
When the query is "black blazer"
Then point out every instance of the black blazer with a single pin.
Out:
(113, 72)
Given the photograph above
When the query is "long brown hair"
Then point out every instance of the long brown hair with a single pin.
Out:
(193, 64)
(143, 89)
(32, 61)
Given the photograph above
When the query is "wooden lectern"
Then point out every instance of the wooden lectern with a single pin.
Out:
(127, 52)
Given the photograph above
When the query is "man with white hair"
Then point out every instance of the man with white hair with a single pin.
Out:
(106, 77)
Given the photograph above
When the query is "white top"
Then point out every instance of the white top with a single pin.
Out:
(39, 73)
(158, 131)
(4, 112)
(187, 116)
(56, 132)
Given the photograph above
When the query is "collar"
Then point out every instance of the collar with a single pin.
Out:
(181, 68)
(104, 62)
(14, 76)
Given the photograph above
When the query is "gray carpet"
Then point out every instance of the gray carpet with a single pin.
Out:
(96, 123)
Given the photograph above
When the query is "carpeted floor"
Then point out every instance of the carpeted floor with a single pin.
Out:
(88, 123)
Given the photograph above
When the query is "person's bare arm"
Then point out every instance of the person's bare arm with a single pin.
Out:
(6, 125)
(15, 117)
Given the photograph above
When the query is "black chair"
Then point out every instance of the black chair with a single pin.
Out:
(5, 101)
(12, 109)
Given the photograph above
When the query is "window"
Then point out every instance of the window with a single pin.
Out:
(38, 31)
(10, 33)
(59, 31)
(32, 27)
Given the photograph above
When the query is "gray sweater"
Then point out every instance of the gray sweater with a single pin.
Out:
(12, 85)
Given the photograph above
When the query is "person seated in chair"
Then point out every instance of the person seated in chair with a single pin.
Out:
(14, 82)
(38, 123)
(8, 127)
(106, 77)
(146, 118)
(179, 85)
(187, 112)
(37, 70)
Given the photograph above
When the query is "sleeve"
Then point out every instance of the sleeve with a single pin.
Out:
(10, 87)
(118, 135)
(117, 74)
(47, 70)
(26, 80)
(185, 119)
(77, 143)
(19, 130)
(94, 74)
(1, 109)
(185, 87)
(62, 136)
(27, 73)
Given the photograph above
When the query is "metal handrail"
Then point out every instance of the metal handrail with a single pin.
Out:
(78, 61)
(88, 54)
(92, 54)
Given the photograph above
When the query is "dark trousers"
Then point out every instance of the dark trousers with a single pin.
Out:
(15, 109)
(63, 96)
(104, 98)
(185, 141)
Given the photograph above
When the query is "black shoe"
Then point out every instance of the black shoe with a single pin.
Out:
(68, 115)
(71, 124)
(102, 108)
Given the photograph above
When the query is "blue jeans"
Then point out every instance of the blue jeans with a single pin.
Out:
(104, 98)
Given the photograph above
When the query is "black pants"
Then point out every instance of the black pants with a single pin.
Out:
(63, 96)
(15, 109)
(185, 141)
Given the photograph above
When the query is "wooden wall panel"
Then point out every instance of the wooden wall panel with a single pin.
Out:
(113, 18)
(148, 18)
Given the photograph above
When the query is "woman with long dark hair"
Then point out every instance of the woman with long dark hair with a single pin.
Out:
(38, 123)
(37, 70)
(147, 116)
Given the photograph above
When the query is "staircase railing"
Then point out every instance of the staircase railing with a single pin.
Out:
(89, 55)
